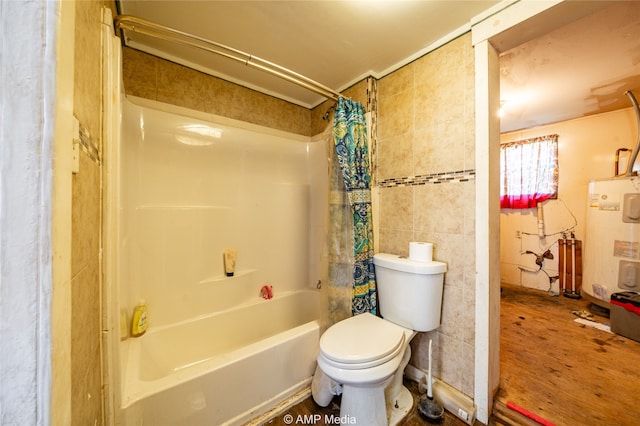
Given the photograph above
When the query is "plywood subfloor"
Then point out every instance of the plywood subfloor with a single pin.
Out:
(567, 373)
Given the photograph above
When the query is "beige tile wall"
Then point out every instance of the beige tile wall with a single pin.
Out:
(153, 78)
(425, 175)
(86, 376)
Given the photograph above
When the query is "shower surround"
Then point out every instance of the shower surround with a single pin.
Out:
(191, 185)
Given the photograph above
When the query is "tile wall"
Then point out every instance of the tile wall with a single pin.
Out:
(86, 375)
(150, 77)
(426, 184)
(153, 78)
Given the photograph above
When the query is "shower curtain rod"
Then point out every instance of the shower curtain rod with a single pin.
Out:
(141, 26)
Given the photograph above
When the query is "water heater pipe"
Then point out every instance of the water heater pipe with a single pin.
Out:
(616, 164)
(573, 264)
(564, 265)
(634, 154)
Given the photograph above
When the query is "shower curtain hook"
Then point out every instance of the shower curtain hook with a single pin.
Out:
(325, 117)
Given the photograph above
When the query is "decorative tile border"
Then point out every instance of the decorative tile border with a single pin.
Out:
(433, 178)
(89, 146)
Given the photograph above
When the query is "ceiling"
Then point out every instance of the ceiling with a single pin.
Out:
(577, 60)
(581, 68)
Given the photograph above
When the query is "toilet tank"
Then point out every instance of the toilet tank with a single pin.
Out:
(409, 292)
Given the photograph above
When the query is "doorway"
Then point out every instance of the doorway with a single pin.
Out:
(574, 207)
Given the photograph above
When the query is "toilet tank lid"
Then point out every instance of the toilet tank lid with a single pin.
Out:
(400, 263)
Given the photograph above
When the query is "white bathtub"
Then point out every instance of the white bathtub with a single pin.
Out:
(222, 369)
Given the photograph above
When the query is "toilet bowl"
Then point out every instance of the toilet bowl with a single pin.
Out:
(363, 368)
(363, 357)
(349, 359)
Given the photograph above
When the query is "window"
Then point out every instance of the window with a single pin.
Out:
(528, 172)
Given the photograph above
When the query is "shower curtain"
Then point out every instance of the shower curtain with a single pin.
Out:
(337, 294)
(349, 136)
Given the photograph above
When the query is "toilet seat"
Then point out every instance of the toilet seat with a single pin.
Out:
(343, 346)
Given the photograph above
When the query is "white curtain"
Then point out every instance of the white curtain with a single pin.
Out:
(528, 172)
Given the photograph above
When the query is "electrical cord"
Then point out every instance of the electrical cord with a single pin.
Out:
(570, 229)
(540, 262)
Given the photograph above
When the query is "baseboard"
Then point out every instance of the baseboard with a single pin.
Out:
(451, 398)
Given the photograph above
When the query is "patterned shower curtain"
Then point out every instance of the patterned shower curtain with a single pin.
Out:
(350, 138)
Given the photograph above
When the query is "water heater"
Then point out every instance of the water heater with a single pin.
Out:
(612, 240)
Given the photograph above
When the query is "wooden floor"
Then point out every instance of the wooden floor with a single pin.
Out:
(560, 370)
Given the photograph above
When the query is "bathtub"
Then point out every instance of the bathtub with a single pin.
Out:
(222, 369)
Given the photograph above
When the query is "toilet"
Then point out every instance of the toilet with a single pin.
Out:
(363, 357)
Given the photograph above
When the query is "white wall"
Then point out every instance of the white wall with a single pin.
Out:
(586, 150)
(28, 139)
